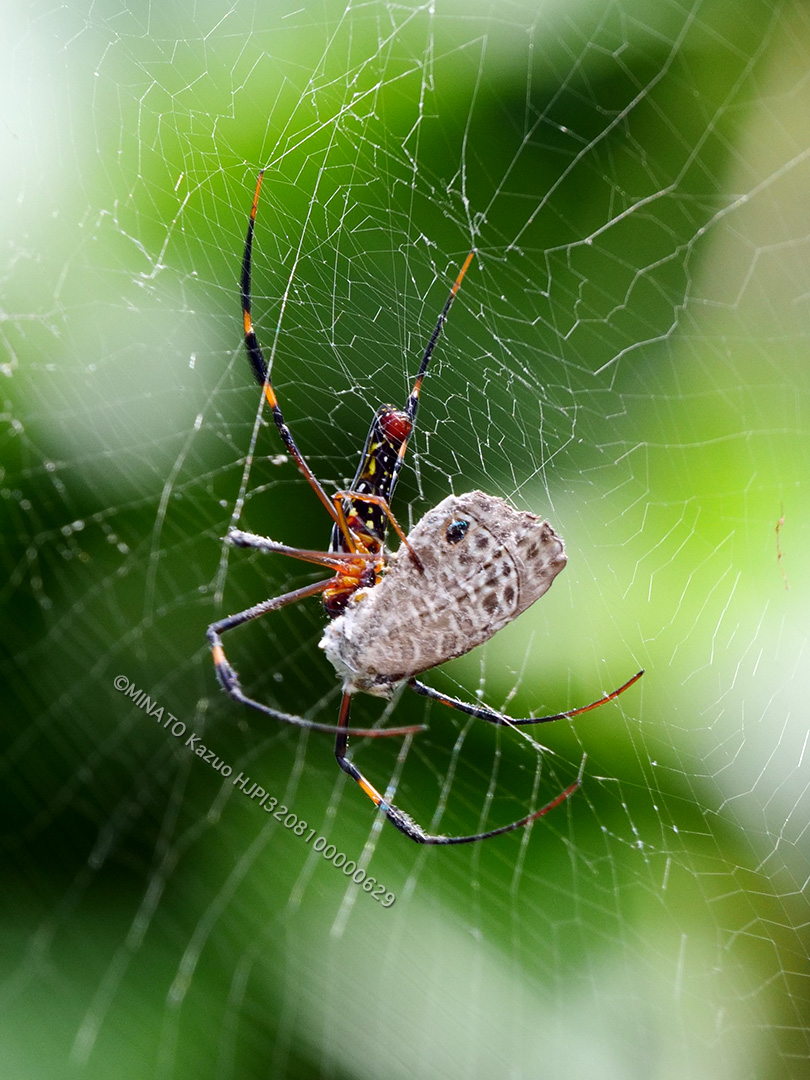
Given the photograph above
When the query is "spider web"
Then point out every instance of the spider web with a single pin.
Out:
(627, 357)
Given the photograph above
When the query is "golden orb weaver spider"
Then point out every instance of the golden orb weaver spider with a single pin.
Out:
(468, 568)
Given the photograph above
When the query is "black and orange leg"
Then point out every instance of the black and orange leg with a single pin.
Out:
(229, 680)
(404, 822)
(413, 399)
(482, 712)
(259, 364)
(380, 502)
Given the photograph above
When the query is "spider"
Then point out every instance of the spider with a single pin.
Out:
(469, 567)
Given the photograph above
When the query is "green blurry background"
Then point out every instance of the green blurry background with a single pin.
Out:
(628, 356)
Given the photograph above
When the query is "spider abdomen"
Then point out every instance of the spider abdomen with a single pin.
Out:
(483, 564)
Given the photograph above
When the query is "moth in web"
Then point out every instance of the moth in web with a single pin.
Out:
(467, 569)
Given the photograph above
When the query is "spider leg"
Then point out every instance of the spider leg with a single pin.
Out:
(335, 560)
(259, 364)
(229, 680)
(382, 502)
(413, 399)
(403, 821)
(482, 712)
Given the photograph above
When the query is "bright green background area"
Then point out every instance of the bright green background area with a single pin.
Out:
(628, 356)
